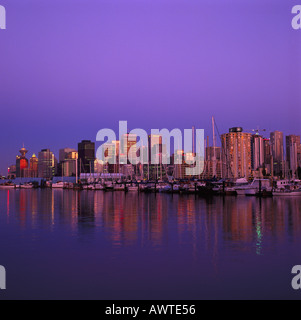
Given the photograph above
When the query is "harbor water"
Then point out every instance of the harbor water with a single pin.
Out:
(66, 244)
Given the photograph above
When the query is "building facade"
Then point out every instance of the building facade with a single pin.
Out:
(292, 158)
(276, 141)
(86, 156)
(236, 153)
(46, 164)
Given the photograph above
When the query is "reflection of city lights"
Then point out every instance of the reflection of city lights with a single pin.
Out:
(259, 236)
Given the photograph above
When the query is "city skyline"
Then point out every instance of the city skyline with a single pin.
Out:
(240, 154)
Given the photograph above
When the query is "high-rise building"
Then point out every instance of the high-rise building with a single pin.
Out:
(155, 157)
(128, 148)
(182, 161)
(268, 158)
(292, 148)
(33, 166)
(65, 154)
(111, 153)
(67, 164)
(276, 140)
(257, 147)
(86, 156)
(46, 164)
(21, 163)
(236, 153)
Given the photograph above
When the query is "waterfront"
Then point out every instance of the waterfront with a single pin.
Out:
(65, 244)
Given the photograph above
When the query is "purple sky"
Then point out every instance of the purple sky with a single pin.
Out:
(69, 68)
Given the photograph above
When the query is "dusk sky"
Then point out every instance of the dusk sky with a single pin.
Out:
(69, 68)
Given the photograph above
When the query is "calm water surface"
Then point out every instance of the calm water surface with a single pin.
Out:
(60, 244)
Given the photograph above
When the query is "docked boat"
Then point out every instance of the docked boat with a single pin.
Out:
(98, 186)
(230, 191)
(132, 188)
(287, 193)
(7, 185)
(257, 186)
(241, 185)
(58, 185)
(26, 186)
(187, 188)
(108, 186)
(89, 187)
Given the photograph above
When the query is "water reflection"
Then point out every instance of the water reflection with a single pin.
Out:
(208, 225)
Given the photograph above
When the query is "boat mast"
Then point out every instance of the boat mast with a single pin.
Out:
(214, 151)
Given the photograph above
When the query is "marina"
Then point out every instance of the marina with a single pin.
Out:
(241, 187)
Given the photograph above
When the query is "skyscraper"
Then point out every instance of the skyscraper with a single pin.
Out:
(33, 165)
(111, 152)
(128, 147)
(155, 156)
(46, 164)
(257, 147)
(276, 140)
(86, 156)
(236, 153)
(292, 149)
(21, 163)
(67, 164)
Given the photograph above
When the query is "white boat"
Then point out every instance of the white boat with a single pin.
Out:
(26, 186)
(287, 193)
(58, 185)
(98, 186)
(7, 185)
(132, 188)
(241, 185)
(253, 188)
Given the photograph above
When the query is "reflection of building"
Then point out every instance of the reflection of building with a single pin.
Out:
(46, 164)
(236, 153)
(21, 163)
(292, 148)
(86, 156)
(276, 140)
